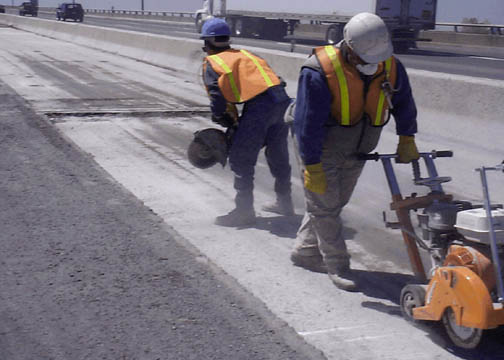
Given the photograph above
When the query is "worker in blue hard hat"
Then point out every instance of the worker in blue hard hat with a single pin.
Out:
(346, 95)
(234, 77)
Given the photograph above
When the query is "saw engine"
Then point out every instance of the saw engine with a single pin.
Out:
(465, 285)
(456, 234)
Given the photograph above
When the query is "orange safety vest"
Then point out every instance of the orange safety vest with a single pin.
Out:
(242, 76)
(349, 103)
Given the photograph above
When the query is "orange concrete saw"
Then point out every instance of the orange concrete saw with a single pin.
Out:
(465, 289)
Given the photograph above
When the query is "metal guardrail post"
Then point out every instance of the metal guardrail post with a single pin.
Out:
(493, 29)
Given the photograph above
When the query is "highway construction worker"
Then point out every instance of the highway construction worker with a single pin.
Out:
(239, 77)
(346, 93)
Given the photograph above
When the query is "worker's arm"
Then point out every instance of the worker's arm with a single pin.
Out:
(217, 100)
(404, 111)
(313, 105)
(405, 114)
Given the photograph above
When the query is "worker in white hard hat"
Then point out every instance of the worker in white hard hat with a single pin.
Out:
(346, 94)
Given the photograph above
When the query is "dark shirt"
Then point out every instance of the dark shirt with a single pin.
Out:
(313, 110)
(217, 100)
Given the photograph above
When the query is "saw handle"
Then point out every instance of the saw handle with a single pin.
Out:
(433, 154)
(442, 153)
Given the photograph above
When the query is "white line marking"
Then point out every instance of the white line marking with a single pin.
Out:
(365, 338)
(297, 45)
(325, 331)
(486, 58)
(186, 33)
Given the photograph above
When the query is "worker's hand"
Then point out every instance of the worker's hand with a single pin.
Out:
(225, 120)
(232, 111)
(406, 149)
(315, 179)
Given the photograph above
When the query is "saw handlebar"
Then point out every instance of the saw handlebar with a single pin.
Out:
(432, 154)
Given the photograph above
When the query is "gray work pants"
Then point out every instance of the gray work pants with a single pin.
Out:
(321, 229)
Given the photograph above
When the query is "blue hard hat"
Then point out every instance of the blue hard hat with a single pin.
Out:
(215, 27)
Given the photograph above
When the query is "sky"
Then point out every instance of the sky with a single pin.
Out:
(448, 10)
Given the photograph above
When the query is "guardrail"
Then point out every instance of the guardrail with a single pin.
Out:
(492, 29)
(185, 14)
(141, 12)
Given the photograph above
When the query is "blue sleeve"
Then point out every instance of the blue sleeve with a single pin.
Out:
(313, 107)
(404, 111)
(217, 101)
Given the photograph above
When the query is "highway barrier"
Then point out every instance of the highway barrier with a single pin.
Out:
(457, 38)
(466, 96)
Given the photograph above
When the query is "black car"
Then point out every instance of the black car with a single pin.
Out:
(2, 9)
(70, 11)
(28, 8)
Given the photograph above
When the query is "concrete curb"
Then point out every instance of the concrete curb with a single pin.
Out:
(459, 95)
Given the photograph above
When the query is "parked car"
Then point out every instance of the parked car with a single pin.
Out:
(70, 11)
(2, 8)
(28, 8)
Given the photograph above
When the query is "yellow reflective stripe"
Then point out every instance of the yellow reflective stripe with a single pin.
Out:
(379, 110)
(261, 69)
(230, 76)
(381, 100)
(345, 97)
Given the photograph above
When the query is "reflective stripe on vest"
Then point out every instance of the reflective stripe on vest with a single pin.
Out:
(229, 74)
(351, 98)
(345, 98)
(381, 100)
(261, 70)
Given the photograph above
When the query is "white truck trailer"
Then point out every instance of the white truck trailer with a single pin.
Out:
(319, 19)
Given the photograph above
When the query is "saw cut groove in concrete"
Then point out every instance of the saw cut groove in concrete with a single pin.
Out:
(139, 112)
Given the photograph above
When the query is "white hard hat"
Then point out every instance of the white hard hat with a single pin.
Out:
(367, 35)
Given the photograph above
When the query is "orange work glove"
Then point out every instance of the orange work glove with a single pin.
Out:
(315, 179)
(406, 149)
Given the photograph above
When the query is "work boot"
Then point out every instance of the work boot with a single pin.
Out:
(283, 206)
(342, 277)
(237, 218)
(312, 262)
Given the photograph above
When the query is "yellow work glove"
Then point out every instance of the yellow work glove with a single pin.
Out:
(315, 179)
(406, 149)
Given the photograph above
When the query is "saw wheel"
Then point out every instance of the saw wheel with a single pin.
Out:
(464, 337)
(412, 296)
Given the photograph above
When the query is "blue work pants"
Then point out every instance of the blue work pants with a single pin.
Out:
(261, 125)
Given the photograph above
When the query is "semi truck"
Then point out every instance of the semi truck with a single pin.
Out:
(319, 19)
